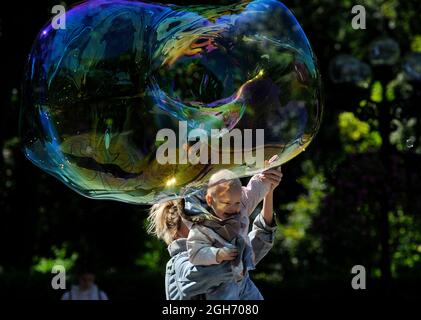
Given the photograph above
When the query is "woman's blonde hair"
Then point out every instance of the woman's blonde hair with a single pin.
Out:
(164, 219)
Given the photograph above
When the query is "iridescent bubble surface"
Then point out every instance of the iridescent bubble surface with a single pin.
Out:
(412, 66)
(345, 68)
(98, 92)
(384, 51)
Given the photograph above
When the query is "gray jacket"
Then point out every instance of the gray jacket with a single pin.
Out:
(185, 281)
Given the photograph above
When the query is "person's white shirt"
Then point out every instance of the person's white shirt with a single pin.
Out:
(93, 293)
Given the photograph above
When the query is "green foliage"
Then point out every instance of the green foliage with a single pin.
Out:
(416, 43)
(301, 211)
(406, 241)
(60, 257)
(357, 136)
(377, 92)
(403, 136)
(154, 256)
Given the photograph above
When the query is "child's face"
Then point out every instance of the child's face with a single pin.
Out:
(225, 200)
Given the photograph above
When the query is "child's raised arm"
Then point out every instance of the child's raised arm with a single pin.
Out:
(259, 185)
(267, 211)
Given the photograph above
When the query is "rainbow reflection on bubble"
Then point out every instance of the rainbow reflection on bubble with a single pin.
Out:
(97, 92)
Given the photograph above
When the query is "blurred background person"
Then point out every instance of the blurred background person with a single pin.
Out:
(87, 289)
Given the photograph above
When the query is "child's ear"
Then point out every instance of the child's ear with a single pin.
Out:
(208, 199)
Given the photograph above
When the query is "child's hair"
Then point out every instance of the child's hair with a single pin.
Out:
(223, 177)
(165, 220)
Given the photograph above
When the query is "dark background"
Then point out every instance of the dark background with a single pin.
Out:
(351, 199)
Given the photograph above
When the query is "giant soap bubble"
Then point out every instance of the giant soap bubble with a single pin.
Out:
(412, 66)
(103, 96)
(345, 68)
(384, 51)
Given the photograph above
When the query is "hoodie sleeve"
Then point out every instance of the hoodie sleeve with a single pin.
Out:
(254, 193)
(200, 249)
(262, 237)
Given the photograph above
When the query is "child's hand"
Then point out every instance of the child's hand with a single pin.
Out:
(226, 254)
(274, 176)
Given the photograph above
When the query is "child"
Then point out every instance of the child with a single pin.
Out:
(222, 235)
